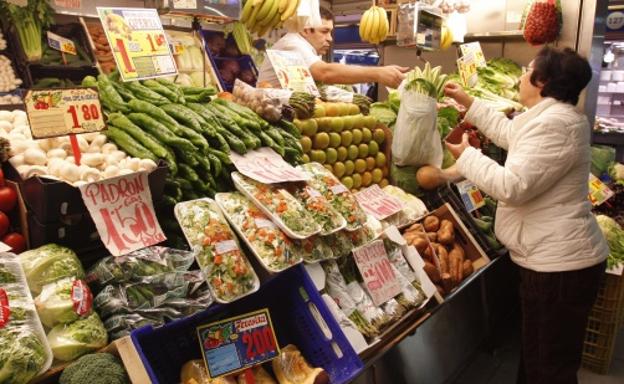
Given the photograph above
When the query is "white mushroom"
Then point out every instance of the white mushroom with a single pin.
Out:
(17, 160)
(147, 164)
(108, 148)
(89, 174)
(46, 144)
(92, 159)
(98, 140)
(6, 126)
(55, 166)
(56, 153)
(35, 156)
(110, 171)
(70, 172)
(36, 170)
(133, 164)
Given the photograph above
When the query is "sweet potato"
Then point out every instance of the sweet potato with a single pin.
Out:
(447, 282)
(446, 233)
(411, 236)
(431, 223)
(468, 269)
(432, 272)
(456, 263)
(433, 236)
(421, 244)
(443, 258)
(416, 227)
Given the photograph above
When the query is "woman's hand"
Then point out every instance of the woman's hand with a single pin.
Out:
(457, 149)
(455, 91)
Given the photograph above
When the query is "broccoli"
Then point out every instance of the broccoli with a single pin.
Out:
(95, 368)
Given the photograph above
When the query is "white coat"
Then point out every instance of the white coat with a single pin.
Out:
(544, 216)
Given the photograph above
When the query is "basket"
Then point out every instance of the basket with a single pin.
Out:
(603, 324)
(290, 298)
(245, 62)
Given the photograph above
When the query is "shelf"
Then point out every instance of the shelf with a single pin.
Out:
(495, 35)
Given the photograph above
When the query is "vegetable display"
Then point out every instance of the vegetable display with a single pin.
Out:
(8, 80)
(614, 234)
(70, 341)
(28, 22)
(102, 49)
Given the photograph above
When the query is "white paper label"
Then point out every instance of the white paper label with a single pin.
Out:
(266, 166)
(225, 247)
(338, 189)
(263, 223)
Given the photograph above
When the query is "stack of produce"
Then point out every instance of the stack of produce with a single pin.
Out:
(262, 16)
(194, 69)
(102, 49)
(347, 143)
(149, 286)
(25, 352)
(445, 261)
(374, 25)
(64, 301)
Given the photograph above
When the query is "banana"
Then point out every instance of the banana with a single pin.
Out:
(247, 9)
(251, 22)
(270, 22)
(385, 26)
(267, 5)
(290, 10)
(282, 6)
(375, 24)
(368, 24)
(271, 14)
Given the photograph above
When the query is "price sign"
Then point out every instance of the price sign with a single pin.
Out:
(471, 195)
(266, 166)
(61, 44)
(123, 212)
(71, 4)
(238, 343)
(140, 47)
(467, 70)
(379, 277)
(378, 203)
(184, 4)
(57, 112)
(292, 71)
(475, 50)
(598, 191)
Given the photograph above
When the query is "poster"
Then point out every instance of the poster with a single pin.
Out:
(292, 72)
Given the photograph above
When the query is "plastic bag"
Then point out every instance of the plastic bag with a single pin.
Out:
(542, 21)
(64, 301)
(416, 140)
(266, 102)
(49, 263)
(70, 341)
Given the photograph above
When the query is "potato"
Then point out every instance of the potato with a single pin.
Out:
(421, 244)
(446, 233)
(432, 272)
(433, 236)
(416, 227)
(431, 223)
(468, 268)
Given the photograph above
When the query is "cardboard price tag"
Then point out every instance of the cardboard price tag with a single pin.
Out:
(471, 195)
(598, 191)
(139, 44)
(378, 203)
(123, 213)
(238, 343)
(475, 50)
(266, 166)
(468, 70)
(292, 71)
(379, 277)
(61, 44)
(57, 112)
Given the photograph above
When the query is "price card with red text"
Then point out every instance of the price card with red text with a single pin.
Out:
(467, 68)
(266, 166)
(57, 112)
(139, 44)
(474, 49)
(379, 278)
(123, 212)
(292, 72)
(598, 191)
(378, 203)
(238, 343)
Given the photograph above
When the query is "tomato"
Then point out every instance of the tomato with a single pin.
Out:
(1, 178)
(4, 224)
(8, 199)
(15, 241)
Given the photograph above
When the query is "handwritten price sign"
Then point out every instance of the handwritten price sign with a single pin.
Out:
(292, 72)
(266, 166)
(379, 277)
(238, 343)
(598, 191)
(61, 44)
(58, 112)
(123, 213)
(378, 203)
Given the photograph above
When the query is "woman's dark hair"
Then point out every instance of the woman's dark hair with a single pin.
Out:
(563, 72)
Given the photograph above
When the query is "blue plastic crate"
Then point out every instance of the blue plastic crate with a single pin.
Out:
(289, 297)
(245, 62)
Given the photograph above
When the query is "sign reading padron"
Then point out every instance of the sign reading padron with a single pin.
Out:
(374, 266)
(123, 212)
(238, 343)
(58, 112)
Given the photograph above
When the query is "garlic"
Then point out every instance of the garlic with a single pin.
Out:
(35, 156)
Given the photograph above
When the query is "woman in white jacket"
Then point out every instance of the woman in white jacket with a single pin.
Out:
(544, 217)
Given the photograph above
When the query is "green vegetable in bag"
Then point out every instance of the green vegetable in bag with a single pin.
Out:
(48, 264)
(70, 341)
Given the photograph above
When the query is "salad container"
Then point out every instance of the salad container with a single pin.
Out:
(278, 204)
(337, 194)
(21, 329)
(275, 251)
(228, 272)
(320, 209)
(316, 249)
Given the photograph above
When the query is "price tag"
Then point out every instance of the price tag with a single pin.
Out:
(123, 212)
(475, 50)
(378, 203)
(184, 4)
(467, 70)
(379, 277)
(71, 4)
(82, 297)
(598, 191)
(61, 44)
(471, 195)
(266, 166)
(5, 310)
(238, 343)
(292, 71)
(57, 112)
(139, 44)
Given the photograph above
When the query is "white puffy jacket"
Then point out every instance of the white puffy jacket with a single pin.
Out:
(544, 217)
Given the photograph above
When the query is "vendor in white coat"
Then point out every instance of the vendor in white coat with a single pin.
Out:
(544, 217)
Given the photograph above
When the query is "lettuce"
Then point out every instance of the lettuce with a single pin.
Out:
(55, 304)
(22, 355)
(70, 341)
(615, 237)
(48, 264)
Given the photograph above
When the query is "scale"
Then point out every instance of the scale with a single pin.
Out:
(419, 26)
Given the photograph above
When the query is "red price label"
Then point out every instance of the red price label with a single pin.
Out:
(89, 112)
(5, 311)
(81, 297)
(259, 342)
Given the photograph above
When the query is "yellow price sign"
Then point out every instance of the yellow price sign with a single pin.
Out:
(61, 44)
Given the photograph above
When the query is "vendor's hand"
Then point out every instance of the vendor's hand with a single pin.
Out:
(457, 149)
(391, 75)
(456, 91)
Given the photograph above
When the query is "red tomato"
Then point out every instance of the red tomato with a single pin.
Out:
(4, 224)
(1, 178)
(15, 241)
(8, 199)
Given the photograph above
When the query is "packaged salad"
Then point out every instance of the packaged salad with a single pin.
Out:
(315, 249)
(319, 208)
(227, 270)
(337, 194)
(275, 251)
(282, 207)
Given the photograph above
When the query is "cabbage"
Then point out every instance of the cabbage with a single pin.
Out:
(48, 264)
(55, 304)
(70, 341)
(22, 355)
(384, 113)
(405, 178)
(615, 237)
(601, 158)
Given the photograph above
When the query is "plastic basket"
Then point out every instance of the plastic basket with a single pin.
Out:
(289, 297)
(609, 304)
(245, 62)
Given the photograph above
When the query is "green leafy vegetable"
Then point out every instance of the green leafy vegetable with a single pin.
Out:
(615, 237)
(28, 22)
(55, 304)
(70, 341)
(48, 264)
(22, 355)
(95, 368)
(601, 158)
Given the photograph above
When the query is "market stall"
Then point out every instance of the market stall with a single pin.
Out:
(169, 218)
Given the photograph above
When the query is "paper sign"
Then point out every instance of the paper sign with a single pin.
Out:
(471, 195)
(266, 166)
(140, 47)
(184, 4)
(376, 270)
(72, 4)
(123, 213)
(378, 203)
(475, 50)
(292, 72)
(238, 343)
(57, 112)
(616, 270)
(4, 247)
(598, 191)
(61, 44)
(19, 3)
(467, 70)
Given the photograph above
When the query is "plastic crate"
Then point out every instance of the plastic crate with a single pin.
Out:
(289, 297)
(609, 304)
(245, 62)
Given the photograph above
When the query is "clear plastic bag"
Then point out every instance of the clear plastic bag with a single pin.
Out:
(64, 301)
(70, 341)
(49, 263)
(266, 102)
